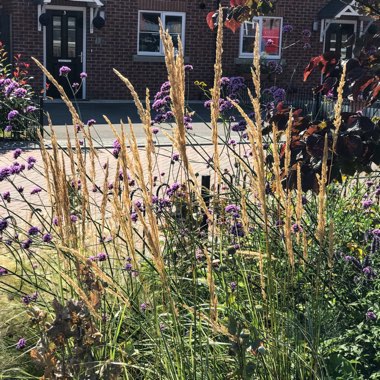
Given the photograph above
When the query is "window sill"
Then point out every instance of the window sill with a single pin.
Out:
(249, 61)
(153, 58)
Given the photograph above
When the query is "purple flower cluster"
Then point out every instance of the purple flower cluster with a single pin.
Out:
(12, 114)
(116, 148)
(64, 71)
(3, 225)
(102, 256)
(235, 85)
(33, 231)
(6, 196)
(3, 271)
(21, 344)
(277, 93)
(30, 298)
(287, 28)
(31, 161)
(173, 189)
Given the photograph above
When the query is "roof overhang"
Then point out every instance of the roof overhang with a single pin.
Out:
(336, 9)
(90, 3)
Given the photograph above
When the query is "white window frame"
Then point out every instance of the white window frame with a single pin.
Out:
(259, 21)
(163, 15)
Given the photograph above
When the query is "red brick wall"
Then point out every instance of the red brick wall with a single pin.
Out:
(115, 45)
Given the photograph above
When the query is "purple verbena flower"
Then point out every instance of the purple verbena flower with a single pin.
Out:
(12, 114)
(287, 28)
(36, 190)
(371, 316)
(296, 228)
(26, 243)
(47, 238)
(91, 122)
(3, 271)
(73, 218)
(83, 75)
(64, 71)
(367, 203)
(175, 156)
(21, 344)
(3, 225)
(33, 231)
(6, 196)
(232, 208)
(17, 153)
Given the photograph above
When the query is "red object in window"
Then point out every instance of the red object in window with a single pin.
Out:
(270, 37)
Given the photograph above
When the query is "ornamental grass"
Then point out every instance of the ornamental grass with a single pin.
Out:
(248, 258)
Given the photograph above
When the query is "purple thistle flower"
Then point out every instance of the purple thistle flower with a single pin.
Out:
(8, 128)
(134, 217)
(73, 218)
(33, 231)
(17, 153)
(12, 114)
(91, 122)
(83, 75)
(155, 131)
(64, 71)
(21, 344)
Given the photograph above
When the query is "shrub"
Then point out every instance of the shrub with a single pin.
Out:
(18, 112)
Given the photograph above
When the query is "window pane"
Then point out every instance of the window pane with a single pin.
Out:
(149, 42)
(270, 36)
(57, 36)
(249, 33)
(71, 37)
(173, 24)
(149, 22)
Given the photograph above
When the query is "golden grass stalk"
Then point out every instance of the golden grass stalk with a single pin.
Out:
(176, 75)
(123, 213)
(103, 205)
(215, 92)
(322, 181)
(276, 165)
(338, 106)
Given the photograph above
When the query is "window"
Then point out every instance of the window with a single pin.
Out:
(270, 32)
(149, 42)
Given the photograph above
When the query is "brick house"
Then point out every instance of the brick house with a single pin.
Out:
(71, 33)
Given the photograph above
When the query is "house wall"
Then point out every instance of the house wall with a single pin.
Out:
(115, 46)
